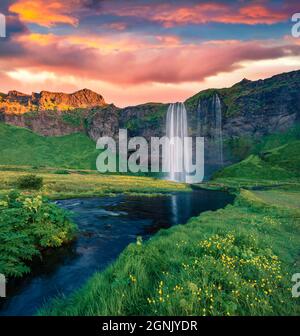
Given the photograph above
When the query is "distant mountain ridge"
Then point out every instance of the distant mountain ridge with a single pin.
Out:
(250, 111)
(16, 102)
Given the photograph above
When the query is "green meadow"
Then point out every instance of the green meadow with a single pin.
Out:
(234, 261)
(20, 146)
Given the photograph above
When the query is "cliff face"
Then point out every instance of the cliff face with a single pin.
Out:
(249, 110)
(62, 101)
(147, 120)
(19, 103)
(50, 113)
(253, 108)
(47, 123)
(103, 122)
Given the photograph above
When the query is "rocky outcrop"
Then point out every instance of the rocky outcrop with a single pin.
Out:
(61, 101)
(252, 109)
(48, 123)
(147, 120)
(50, 113)
(103, 122)
(19, 103)
(249, 109)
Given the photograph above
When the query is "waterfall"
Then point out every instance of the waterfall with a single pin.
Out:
(218, 129)
(178, 154)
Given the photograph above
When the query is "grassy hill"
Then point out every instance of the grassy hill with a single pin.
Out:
(274, 157)
(19, 146)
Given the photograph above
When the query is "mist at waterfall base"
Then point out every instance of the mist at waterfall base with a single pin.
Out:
(179, 155)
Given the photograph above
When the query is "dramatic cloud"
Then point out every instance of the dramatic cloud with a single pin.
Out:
(147, 49)
(45, 13)
(140, 63)
(178, 13)
(51, 12)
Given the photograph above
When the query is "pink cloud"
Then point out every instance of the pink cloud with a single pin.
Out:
(173, 14)
(175, 64)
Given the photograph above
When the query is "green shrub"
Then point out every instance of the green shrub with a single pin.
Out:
(27, 226)
(62, 172)
(30, 182)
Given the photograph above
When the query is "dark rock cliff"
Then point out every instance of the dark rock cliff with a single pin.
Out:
(253, 108)
(250, 109)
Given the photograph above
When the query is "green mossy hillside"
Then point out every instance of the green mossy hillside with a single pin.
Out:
(19, 146)
(280, 163)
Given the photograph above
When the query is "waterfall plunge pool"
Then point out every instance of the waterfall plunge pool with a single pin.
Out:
(106, 226)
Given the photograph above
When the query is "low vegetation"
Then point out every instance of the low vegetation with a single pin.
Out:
(20, 146)
(235, 261)
(85, 183)
(28, 225)
(30, 182)
(271, 159)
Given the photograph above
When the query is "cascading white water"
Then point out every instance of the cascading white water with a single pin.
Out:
(218, 128)
(178, 154)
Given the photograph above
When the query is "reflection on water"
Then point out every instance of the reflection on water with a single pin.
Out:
(107, 226)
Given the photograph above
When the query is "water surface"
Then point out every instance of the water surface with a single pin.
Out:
(106, 226)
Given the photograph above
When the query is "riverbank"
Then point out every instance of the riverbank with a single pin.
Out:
(28, 226)
(234, 261)
(106, 226)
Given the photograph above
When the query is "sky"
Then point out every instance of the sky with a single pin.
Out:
(138, 51)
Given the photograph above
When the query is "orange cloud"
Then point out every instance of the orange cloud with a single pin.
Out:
(45, 13)
(39, 39)
(255, 14)
(171, 14)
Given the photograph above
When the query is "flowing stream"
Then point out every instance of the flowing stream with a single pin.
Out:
(106, 226)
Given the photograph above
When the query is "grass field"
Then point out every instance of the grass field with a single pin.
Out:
(20, 146)
(235, 261)
(280, 163)
(288, 199)
(86, 183)
(272, 158)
